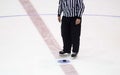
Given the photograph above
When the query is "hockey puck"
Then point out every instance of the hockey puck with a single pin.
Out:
(63, 61)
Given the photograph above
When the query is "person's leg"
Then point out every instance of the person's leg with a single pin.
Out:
(65, 32)
(75, 36)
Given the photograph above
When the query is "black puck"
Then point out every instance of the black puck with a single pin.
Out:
(64, 60)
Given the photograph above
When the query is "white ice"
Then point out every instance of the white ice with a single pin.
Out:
(24, 52)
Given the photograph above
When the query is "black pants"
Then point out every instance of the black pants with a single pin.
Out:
(70, 34)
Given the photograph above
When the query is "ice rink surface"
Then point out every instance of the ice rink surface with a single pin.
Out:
(24, 51)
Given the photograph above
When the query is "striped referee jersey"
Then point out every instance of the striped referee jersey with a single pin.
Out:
(71, 8)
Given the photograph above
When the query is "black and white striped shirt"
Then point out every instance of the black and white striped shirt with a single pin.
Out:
(71, 8)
